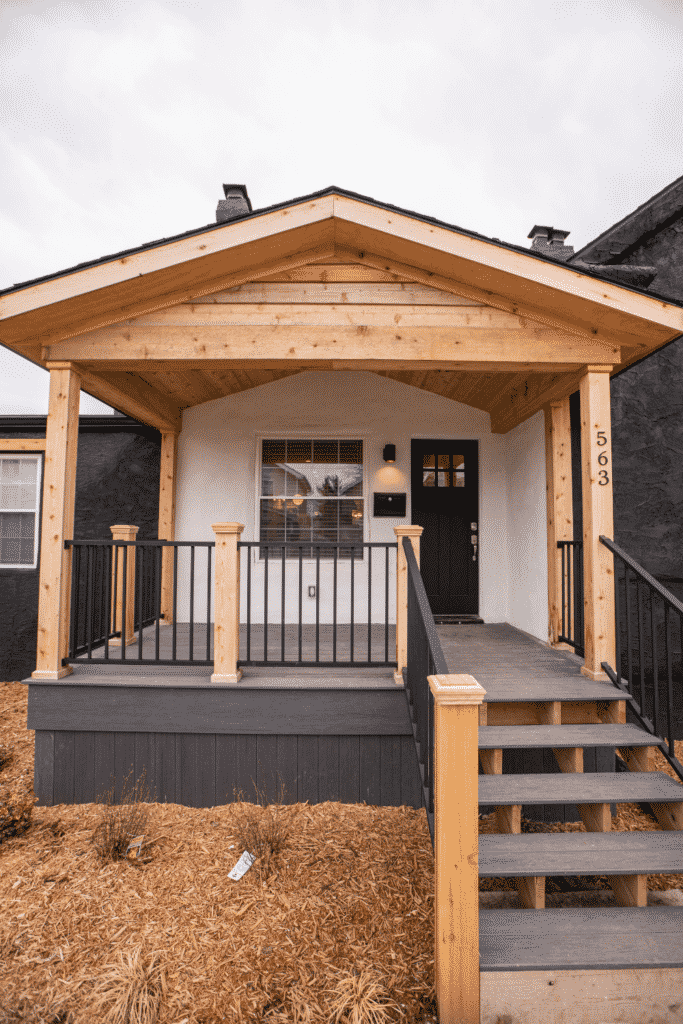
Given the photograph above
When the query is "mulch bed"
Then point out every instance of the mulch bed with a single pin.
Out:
(336, 927)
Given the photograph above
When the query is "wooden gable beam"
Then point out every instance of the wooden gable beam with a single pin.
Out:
(513, 411)
(134, 347)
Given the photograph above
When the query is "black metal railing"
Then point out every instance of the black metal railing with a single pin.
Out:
(572, 594)
(100, 584)
(648, 651)
(425, 658)
(343, 619)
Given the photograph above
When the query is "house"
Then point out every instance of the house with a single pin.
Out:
(117, 482)
(365, 424)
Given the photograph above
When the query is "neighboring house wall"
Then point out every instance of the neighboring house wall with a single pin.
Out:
(218, 450)
(117, 481)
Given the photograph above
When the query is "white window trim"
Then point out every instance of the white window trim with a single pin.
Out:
(4, 455)
(314, 435)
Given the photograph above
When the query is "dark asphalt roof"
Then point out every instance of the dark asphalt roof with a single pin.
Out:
(332, 189)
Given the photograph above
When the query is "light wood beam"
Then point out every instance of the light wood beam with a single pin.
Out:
(59, 492)
(506, 416)
(282, 345)
(136, 398)
(166, 527)
(598, 561)
(558, 477)
(22, 444)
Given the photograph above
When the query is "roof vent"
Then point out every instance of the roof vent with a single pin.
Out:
(236, 203)
(550, 241)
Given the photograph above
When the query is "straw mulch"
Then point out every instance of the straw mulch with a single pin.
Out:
(336, 927)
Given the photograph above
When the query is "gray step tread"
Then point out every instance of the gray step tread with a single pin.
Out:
(608, 938)
(579, 788)
(516, 737)
(522, 688)
(580, 853)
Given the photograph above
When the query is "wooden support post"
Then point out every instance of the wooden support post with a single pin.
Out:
(531, 889)
(558, 477)
(596, 817)
(569, 759)
(59, 493)
(456, 839)
(629, 890)
(414, 532)
(598, 561)
(491, 761)
(166, 529)
(226, 628)
(639, 759)
(122, 618)
(509, 819)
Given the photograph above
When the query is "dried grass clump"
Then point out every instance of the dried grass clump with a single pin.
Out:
(26, 1012)
(121, 822)
(16, 810)
(360, 998)
(262, 829)
(133, 989)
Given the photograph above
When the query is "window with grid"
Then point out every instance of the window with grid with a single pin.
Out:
(19, 501)
(312, 494)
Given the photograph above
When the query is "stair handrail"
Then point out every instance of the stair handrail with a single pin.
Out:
(661, 730)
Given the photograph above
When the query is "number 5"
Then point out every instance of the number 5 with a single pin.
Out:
(602, 439)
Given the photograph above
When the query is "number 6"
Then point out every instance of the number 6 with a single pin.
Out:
(602, 459)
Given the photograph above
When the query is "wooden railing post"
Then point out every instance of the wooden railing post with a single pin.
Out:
(414, 532)
(456, 846)
(166, 530)
(226, 629)
(123, 618)
(596, 485)
(59, 493)
(558, 476)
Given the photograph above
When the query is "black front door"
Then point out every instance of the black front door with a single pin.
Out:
(445, 502)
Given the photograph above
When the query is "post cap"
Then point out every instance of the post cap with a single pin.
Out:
(408, 531)
(129, 529)
(227, 527)
(452, 689)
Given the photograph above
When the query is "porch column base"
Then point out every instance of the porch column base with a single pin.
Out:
(597, 677)
(44, 673)
(116, 642)
(559, 646)
(398, 677)
(232, 677)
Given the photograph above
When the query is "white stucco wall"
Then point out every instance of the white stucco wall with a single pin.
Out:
(217, 480)
(527, 528)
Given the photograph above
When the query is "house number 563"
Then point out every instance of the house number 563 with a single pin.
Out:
(603, 476)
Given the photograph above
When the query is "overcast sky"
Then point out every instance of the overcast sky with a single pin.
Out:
(120, 119)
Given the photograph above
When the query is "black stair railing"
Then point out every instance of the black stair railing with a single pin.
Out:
(648, 651)
(425, 658)
(572, 594)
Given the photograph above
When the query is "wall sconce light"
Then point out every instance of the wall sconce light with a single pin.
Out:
(389, 453)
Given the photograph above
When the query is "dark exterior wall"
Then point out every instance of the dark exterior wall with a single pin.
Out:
(662, 249)
(117, 481)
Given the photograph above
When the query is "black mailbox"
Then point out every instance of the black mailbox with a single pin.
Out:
(389, 504)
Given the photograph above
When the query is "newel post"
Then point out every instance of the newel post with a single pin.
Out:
(414, 532)
(226, 629)
(123, 567)
(456, 842)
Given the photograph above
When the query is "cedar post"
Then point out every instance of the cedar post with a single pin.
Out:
(123, 618)
(414, 532)
(456, 840)
(598, 561)
(166, 529)
(226, 629)
(59, 494)
(558, 477)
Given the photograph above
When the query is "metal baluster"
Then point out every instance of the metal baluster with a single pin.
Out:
(386, 601)
(669, 682)
(655, 663)
(334, 606)
(75, 596)
(265, 605)
(629, 645)
(301, 587)
(174, 640)
(352, 624)
(430, 746)
(208, 606)
(369, 603)
(191, 602)
(139, 569)
(317, 603)
(641, 645)
(124, 601)
(563, 583)
(88, 599)
(617, 623)
(108, 560)
(283, 553)
(157, 610)
(249, 604)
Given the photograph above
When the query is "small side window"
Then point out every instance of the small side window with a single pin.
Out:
(19, 509)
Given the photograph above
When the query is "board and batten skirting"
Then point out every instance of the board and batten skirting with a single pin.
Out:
(200, 744)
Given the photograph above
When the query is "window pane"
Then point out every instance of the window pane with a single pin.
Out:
(351, 452)
(18, 484)
(17, 538)
(460, 478)
(444, 479)
(428, 461)
(273, 451)
(326, 451)
(427, 478)
(444, 461)
(299, 451)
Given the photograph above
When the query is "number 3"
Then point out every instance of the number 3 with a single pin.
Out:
(604, 478)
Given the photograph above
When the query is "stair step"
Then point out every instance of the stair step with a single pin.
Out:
(579, 788)
(517, 737)
(609, 938)
(580, 853)
(546, 688)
